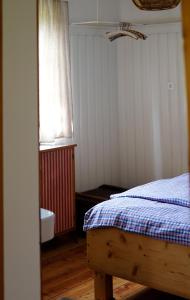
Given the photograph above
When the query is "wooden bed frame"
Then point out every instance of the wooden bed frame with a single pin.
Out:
(154, 263)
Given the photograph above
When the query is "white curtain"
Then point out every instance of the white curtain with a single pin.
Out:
(54, 71)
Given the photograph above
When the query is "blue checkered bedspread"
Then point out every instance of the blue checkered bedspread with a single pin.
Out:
(169, 221)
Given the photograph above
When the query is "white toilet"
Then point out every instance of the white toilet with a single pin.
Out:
(47, 225)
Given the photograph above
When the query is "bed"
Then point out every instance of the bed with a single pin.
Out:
(142, 235)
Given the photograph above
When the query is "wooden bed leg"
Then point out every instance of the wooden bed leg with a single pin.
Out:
(103, 286)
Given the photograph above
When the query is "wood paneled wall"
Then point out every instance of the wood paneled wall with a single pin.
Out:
(129, 106)
(152, 105)
(186, 35)
(94, 77)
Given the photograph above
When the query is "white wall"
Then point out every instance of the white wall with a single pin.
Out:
(119, 10)
(94, 77)
(86, 10)
(152, 118)
(21, 202)
(126, 120)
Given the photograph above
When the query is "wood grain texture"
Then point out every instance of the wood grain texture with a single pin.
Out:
(154, 263)
(65, 274)
(186, 35)
(1, 162)
(103, 286)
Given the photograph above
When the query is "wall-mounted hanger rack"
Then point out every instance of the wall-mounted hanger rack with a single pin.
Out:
(124, 27)
(125, 31)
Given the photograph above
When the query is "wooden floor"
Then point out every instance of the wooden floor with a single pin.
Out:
(65, 275)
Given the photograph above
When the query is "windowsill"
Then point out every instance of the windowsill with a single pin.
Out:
(56, 145)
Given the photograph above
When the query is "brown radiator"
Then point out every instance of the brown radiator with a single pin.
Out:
(57, 186)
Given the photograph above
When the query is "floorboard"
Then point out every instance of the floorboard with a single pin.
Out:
(66, 276)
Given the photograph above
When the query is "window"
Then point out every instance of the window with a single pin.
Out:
(54, 71)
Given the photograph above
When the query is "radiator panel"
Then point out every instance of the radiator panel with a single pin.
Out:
(57, 186)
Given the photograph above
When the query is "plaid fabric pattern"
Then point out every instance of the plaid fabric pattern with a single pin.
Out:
(150, 218)
(174, 191)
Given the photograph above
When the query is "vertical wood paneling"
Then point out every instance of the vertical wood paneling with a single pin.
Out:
(182, 104)
(154, 85)
(164, 103)
(94, 80)
(152, 118)
(138, 109)
(147, 118)
(129, 127)
(186, 34)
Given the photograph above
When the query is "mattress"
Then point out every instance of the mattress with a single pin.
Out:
(136, 212)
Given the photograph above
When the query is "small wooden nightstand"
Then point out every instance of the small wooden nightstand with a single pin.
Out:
(88, 199)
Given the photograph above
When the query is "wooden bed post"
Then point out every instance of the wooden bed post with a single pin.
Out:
(103, 284)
